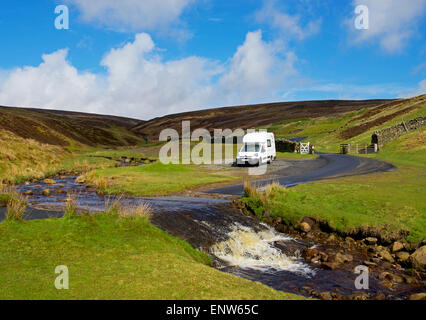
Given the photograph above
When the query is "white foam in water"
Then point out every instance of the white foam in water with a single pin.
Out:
(249, 249)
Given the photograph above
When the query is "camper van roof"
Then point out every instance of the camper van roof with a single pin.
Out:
(256, 137)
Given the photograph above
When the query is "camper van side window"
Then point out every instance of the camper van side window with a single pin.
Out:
(251, 147)
(269, 143)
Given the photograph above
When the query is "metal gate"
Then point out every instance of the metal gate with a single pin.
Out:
(304, 148)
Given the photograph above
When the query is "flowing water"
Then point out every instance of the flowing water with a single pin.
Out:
(239, 244)
(257, 251)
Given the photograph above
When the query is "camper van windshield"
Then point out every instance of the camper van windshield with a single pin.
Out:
(251, 147)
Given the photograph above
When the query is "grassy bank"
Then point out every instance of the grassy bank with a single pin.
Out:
(152, 180)
(393, 200)
(111, 258)
(27, 159)
(23, 159)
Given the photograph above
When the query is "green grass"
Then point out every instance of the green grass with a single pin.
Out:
(98, 158)
(85, 162)
(394, 200)
(154, 179)
(111, 258)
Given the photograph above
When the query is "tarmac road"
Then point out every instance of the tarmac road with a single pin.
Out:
(327, 166)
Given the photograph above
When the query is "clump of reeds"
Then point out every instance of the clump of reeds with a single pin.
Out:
(16, 208)
(143, 210)
(117, 208)
(71, 208)
(100, 183)
(251, 191)
(112, 206)
(270, 188)
(7, 192)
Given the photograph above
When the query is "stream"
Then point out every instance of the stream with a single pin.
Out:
(238, 244)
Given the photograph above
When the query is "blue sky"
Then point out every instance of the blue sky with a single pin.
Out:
(148, 58)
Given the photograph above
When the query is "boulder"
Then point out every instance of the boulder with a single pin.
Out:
(331, 238)
(305, 227)
(380, 296)
(418, 296)
(278, 220)
(323, 256)
(409, 279)
(398, 279)
(80, 180)
(309, 253)
(316, 259)
(385, 276)
(46, 192)
(349, 240)
(403, 257)
(388, 284)
(28, 193)
(408, 247)
(369, 263)
(360, 296)
(385, 255)
(49, 181)
(397, 246)
(343, 258)
(325, 296)
(418, 259)
(371, 240)
(391, 277)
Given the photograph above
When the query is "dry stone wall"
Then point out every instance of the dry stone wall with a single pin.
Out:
(385, 136)
(284, 145)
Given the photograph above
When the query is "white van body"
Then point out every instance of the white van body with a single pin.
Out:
(258, 148)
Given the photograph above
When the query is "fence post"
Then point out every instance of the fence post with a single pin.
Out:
(405, 127)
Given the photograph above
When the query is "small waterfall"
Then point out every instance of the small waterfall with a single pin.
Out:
(249, 249)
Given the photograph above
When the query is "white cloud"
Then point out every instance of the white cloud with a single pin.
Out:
(135, 15)
(256, 71)
(392, 22)
(290, 26)
(54, 83)
(138, 83)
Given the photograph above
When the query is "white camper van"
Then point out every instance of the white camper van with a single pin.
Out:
(258, 148)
